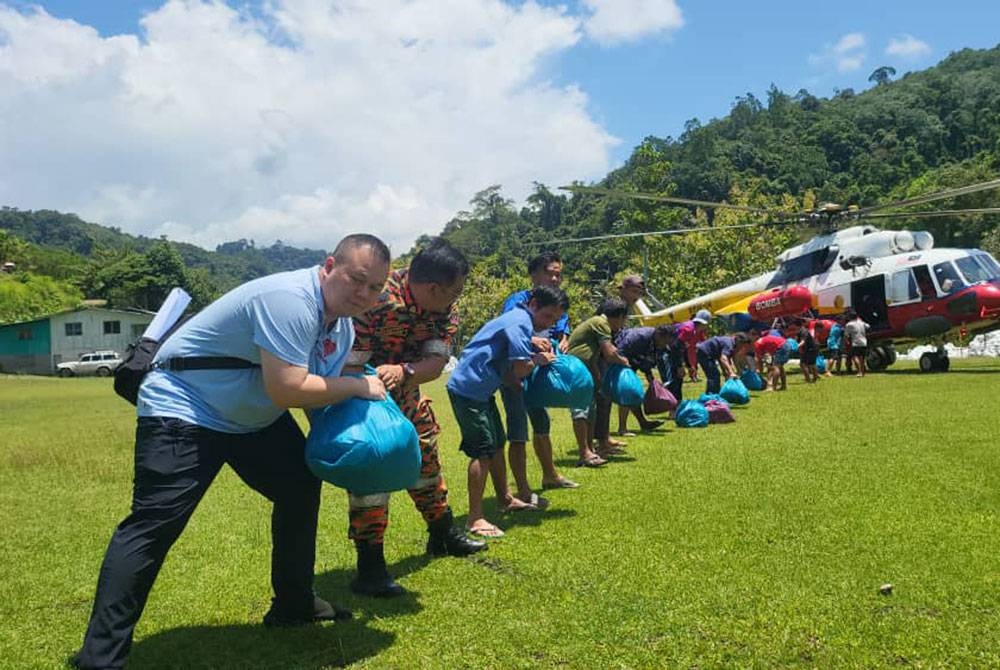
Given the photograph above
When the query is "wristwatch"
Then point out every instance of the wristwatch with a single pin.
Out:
(408, 371)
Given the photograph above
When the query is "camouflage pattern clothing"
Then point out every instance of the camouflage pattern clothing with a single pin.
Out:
(393, 332)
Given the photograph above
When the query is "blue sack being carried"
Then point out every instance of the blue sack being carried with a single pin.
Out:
(565, 382)
(691, 414)
(752, 380)
(821, 364)
(623, 386)
(364, 446)
(735, 392)
(707, 397)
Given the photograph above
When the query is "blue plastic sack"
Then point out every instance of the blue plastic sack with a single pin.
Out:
(691, 414)
(364, 446)
(752, 380)
(821, 364)
(735, 392)
(706, 397)
(565, 382)
(623, 386)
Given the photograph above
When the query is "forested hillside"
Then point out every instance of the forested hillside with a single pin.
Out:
(927, 131)
(92, 261)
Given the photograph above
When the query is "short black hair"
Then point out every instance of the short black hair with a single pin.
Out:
(438, 262)
(359, 240)
(542, 260)
(547, 296)
(741, 338)
(613, 308)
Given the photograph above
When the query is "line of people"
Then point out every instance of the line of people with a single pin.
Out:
(306, 331)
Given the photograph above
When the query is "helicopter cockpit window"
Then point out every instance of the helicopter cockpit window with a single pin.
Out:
(989, 262)
(947, 277)
(971, 270)
(989, 265)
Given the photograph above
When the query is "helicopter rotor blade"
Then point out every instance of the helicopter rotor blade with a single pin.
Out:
(672, 231)
(933, 214)
(617, 193)
(931, 197)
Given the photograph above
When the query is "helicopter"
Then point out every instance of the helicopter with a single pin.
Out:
(896, 280)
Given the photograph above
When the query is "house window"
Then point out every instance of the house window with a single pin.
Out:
(74, 328)
(25, 334)
(112, 327)
(137, 330)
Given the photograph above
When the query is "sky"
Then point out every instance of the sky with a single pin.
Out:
(304, 120)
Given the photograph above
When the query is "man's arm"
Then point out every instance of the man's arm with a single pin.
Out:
(610, 353)
(293, 386)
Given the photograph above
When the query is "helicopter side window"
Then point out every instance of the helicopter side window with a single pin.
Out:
(904, 287)
(924, 282)
(947, 277)
(971, 270)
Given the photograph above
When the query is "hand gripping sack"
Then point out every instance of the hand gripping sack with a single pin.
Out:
(691, 414)
(364, 446)
(752, 380)
(623, 386)
(719, 412)
(659, 399)
(565, 382)
(735, 392)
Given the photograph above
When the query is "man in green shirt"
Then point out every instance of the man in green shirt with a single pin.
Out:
(591, 342)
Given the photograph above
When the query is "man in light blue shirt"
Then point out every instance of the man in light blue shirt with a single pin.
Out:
(295, 329)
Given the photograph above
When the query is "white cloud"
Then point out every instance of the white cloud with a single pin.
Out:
(907, 47)
(846, 55)
(616, 21)
(318, 118)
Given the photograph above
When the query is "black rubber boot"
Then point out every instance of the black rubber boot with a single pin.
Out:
(373, 578)
(449, 540)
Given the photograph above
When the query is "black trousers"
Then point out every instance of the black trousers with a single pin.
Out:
(175, 462)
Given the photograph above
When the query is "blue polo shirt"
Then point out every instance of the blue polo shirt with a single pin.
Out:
(488, 356)
(716, 347)
(282, 313)
(521, 298)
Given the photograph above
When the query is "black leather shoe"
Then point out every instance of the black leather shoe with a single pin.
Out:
(373, 578)
(321, 611)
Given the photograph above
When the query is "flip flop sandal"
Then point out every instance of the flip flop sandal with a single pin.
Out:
(488, 532)
(561, 483)
(536, 504)
(592, 462)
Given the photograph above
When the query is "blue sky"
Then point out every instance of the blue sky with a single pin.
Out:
(285, 119)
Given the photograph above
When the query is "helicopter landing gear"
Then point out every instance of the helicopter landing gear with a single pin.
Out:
(935, 361)
(880, 357)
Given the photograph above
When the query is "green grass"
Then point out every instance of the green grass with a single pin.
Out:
(758, 544)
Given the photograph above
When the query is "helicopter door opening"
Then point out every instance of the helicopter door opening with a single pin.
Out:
(868, 300)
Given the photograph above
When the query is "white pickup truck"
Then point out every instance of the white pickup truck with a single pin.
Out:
(100, 363)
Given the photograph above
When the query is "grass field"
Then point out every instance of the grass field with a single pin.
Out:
(757, 544)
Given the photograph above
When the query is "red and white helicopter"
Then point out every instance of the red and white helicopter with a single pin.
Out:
(896, 280)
